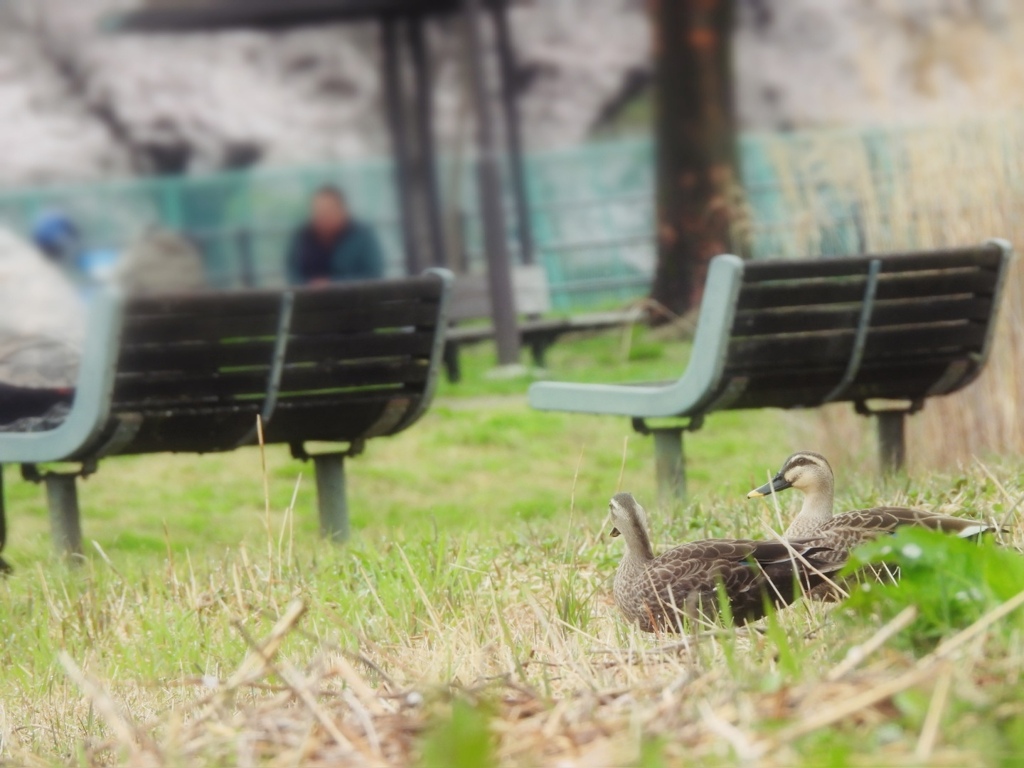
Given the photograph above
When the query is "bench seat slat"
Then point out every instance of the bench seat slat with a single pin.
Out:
(547, 328)
(207, 304)
(161, 330)
(249, 408)
(811, 397)
(827, 375)
(295, 421)
(213, 304)
(892, 380)
(987, 256)
(373, 318)
(180, 389)
(214, 356)
(900, 312)
(810, 349)
(299, 381)
(816, 292)
(207, 429)
(369, 293)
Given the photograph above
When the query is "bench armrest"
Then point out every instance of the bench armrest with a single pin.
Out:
(437, 349)
(683, 397)
(91, 405)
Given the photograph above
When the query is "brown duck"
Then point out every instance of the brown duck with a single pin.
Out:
(836, 535)
(656, 593)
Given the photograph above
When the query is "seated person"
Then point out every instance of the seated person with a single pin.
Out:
(332, 245)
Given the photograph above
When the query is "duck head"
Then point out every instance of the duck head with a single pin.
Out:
(806, 471)
(629, 520)
(810, 474)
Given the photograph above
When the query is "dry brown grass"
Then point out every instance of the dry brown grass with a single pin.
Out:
(923, 187)
(280, 652)
(553, 694)
(325, 657)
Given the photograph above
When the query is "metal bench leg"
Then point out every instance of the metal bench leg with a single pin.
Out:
(451, 363)
(892, 445)
(4, 567)
(65, 522)
(538, 350)
(671, 467)
(330, 495)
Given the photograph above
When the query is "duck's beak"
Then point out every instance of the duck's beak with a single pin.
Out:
(777, 483)
(614, 532)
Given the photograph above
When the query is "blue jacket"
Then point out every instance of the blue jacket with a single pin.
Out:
(356, 256)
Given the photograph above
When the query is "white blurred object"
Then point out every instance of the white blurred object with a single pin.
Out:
(83, 102)
(42, 319)
(43, 312)
(160, 261)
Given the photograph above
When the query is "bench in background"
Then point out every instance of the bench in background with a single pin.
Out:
(471, 301)
(799, 334)
(191, 374)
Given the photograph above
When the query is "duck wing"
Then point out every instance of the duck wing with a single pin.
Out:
(684, 581)
(834, 541)
(864, 524)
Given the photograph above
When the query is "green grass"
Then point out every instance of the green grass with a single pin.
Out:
(453, 471)
(628, 354)
(951, 583)
(474, 602)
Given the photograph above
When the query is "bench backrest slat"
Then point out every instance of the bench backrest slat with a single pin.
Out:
(814, 291)
(984, 256)
(189, 356)
(811, 351)
(197, 369)
(213, 328)
(795, 327)
(845, 316)
(164, 389)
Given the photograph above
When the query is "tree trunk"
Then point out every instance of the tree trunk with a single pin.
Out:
(696, 145)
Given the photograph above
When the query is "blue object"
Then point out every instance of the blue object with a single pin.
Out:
(57, 236)
(97, 265)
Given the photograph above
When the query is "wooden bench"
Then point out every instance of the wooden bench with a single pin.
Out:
(471, 301)
(884, 332)
(193, 373)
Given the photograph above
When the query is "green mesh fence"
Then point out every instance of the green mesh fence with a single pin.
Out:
(591, 208)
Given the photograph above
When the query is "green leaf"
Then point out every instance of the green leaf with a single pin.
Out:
(461, 741)
(951, 581)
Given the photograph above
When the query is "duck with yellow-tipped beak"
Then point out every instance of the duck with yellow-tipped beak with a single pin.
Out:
(810, 473)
